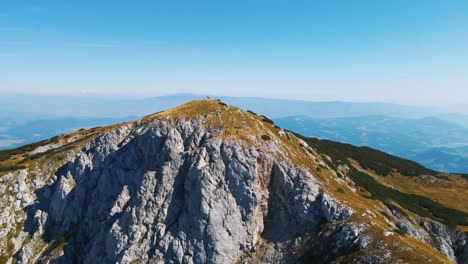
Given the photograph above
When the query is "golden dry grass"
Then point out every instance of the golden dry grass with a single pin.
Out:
(449, 193)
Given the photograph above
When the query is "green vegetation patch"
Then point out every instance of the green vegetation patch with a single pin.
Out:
(252, 112)
(6, 154)
(383, 163)
(51, 152)
(399, 231)
(378, 161)
(268, 120)
(417, 204)
(11, 168)
(341, 190)
(265, 137)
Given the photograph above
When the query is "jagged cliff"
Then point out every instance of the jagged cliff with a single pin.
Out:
(203, 183)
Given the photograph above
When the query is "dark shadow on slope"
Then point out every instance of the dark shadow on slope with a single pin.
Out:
(54, 229)
(321, 246)
(281, 223)
(176, 205)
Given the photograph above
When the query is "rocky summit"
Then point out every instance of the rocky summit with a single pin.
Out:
(207, 182)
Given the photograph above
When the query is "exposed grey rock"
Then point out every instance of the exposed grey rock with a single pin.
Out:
(172, 191)
(333, 210)
(372, 259)
(364, 242)
(443, 238)
(347, 236)
(409, 228)
(460, 245)
(451, 243)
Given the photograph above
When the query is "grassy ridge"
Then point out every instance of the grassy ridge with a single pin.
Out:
(383, 163)
(417, 204)
(6, 154)
(380, 162)
(24, 151)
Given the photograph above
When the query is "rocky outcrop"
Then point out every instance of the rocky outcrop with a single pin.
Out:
(171, 191)
(451, 243)
(192, 185)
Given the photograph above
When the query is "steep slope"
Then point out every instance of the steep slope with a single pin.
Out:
(409, 191)
(403, 175)
(203, 183)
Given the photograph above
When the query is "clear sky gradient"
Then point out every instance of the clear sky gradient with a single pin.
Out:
(412, 52)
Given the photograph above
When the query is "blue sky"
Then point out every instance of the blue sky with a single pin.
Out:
(412, 52)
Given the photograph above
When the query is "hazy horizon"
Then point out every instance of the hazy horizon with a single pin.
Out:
(113, 96)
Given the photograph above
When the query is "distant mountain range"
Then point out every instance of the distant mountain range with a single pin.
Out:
(20, 131)
(71, 106)
(433, 142)
(435, 137)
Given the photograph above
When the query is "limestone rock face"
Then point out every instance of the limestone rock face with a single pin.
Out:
(173, 192)
(204, 183)
(453, 244)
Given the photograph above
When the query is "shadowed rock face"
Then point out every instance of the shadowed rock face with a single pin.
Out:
(172, 191)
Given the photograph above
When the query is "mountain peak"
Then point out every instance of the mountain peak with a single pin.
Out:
(194, 108)
(204, 182)
(230, 122)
